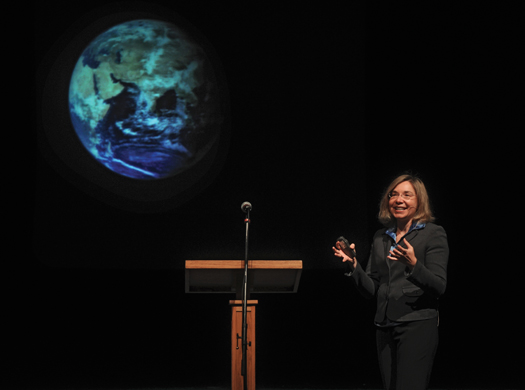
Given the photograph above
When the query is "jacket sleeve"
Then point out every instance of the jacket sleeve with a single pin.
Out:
(430, 274)
(367, 282)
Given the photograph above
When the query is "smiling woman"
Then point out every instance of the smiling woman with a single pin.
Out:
(407, 273)
(403, 203)
(408, 184)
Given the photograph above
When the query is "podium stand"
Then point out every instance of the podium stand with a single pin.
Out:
(226, 276)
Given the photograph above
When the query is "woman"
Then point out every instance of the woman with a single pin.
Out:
(406, 272)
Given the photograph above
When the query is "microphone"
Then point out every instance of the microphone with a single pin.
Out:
(246, 206)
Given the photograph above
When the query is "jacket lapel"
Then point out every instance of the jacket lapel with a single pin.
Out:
(387, 242)
(410, 236)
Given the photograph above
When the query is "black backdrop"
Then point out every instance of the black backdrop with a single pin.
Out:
(327, 104)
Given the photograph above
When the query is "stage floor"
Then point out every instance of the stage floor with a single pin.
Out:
(286, 388)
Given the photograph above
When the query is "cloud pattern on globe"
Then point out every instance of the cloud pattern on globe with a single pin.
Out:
(143, 100)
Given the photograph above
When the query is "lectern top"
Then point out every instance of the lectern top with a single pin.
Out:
(239, 264)
(226, 276)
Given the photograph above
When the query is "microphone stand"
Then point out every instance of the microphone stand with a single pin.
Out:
(244, 372)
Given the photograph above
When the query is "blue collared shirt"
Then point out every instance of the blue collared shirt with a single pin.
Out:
(392, 232)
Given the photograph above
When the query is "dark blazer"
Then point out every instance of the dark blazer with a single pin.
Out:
(403, 296)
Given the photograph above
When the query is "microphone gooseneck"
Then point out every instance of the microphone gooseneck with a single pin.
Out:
(246, 207)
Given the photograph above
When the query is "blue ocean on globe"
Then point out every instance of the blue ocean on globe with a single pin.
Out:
(143, 100)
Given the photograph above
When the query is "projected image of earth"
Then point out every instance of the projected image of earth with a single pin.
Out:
(143, 100)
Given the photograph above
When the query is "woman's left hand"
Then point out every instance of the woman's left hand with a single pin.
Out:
(404, 255)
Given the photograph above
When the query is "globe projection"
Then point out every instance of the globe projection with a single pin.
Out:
(143, 100)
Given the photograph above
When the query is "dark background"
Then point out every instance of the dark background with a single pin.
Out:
(326, 105)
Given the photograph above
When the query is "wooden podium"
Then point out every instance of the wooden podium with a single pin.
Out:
(226, 276)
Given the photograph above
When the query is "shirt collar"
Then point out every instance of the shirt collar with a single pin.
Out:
(415, 226)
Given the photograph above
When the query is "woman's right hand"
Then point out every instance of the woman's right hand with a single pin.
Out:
(345, 254)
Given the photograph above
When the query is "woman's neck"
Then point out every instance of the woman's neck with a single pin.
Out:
(402, 228)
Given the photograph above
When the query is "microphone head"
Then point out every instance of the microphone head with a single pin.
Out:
(246, 206)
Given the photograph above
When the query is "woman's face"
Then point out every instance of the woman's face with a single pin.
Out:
(403, 202)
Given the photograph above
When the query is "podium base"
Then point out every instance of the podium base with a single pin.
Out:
(236, 344)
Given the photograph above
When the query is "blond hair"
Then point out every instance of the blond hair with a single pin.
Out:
(424, 211)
